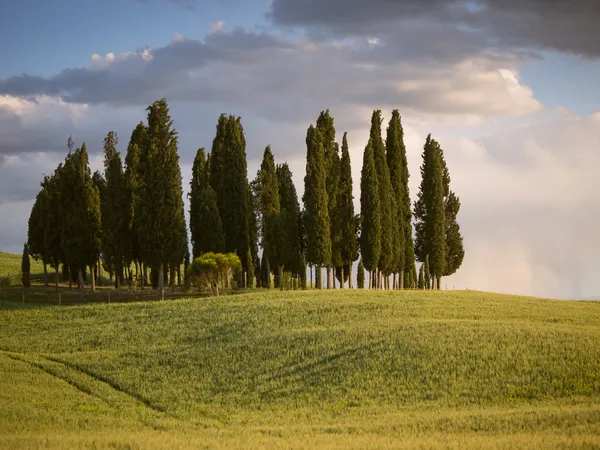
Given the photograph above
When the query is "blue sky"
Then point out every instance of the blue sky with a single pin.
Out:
(511, 94)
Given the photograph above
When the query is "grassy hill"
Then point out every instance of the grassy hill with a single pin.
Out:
(343, 369)
(10, 266)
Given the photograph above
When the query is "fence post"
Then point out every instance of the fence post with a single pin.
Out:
(59, 299)
(162, 294)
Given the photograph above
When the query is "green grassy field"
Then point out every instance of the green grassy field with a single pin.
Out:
(347, 369)
(10, 265)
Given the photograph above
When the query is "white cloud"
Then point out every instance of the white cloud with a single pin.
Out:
(215, 27)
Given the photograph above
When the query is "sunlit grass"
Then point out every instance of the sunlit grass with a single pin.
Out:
(320, 369)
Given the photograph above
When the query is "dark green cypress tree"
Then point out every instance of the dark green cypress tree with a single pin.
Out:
(233, 196)
(325, 125)
(360, 275)
(80, 211)
(348, 247)
(429, 211)
(253, 233)
(396, 158)
(162, 228)
(115, 209)
(455, 251)
(269, 191)
(25, 267)
(250, 281)
(35, 232)
(52, 221)
(303, 271)
(370, 236)
(290, 209)
(197, 185)
(388, 215)
(421, 283)
(316, 203)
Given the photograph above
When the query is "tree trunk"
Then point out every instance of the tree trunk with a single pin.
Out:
(268, 267)
(172, 277)
(350, 276)
(433, 283)
(439, 283)
(99, 272)
(402, 279)
(144, 276)
(342, 277)
(179, 275)
(329, 276)
(281, 283)
(80, 281)
(370, 279)
(319, 276)
(161, 277)
(57, 278)
(93, 277)
(310, 269)
(70, 280)
(45, 274)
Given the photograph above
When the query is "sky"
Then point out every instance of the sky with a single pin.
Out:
(509, 89)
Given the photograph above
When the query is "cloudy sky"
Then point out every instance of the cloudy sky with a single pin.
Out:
(509, 89)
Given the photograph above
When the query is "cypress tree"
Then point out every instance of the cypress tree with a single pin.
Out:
(396, 159)
(52, 221)
(429, 211)
(115, 212)
(250, 282)
(25, 267)
(325, 125)
(303, 271)
(132, 182)
(421, 283)
(162, 225)
(211, 237)
(290, 210)
(455, 251)
(316, 203)
(252, 232)
(388, 258)
(80, 211)
(35, 232)
(349, 250)
(269, 191)
(370, 236)
(198, 184)
(230, 164)
(360, 275)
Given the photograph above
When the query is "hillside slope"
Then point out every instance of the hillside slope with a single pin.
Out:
(296, 369)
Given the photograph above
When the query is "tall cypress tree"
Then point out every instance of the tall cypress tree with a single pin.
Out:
(290, 209)
(325, 125)
(455, 251)
(370, 210)
(161, 224)
(115, 212)
(269, 191)
(80, 211)
(426, 273)
(35, 232)
(388, 215)
(396, 158)
(198, 184)
(316, 203)
(229, 174)
(133, 187)
(348, 247)
(50, 208)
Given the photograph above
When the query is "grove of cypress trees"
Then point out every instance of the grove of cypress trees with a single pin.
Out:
(316, 203)
(370, 209)
(348, 247)
(388, 215)
(35, 233)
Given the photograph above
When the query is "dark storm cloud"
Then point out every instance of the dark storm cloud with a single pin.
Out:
(561, 25)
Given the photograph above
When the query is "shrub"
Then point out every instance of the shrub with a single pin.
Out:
(212, 270)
